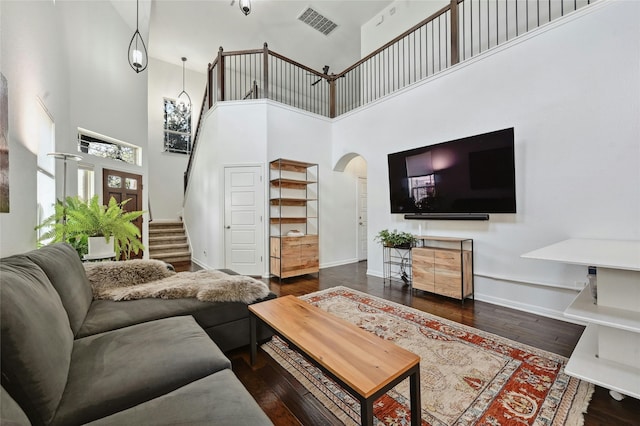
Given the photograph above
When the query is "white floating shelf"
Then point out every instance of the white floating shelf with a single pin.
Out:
(583, 308)
(585, 365)
(615, 254)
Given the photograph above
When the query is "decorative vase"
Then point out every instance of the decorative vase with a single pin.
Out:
(99, 247)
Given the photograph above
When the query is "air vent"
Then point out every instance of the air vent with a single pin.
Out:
(317, 21)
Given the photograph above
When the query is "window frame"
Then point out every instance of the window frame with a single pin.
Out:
(166, 132)
(137, 151)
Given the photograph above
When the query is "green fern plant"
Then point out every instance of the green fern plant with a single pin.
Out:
(92, 219)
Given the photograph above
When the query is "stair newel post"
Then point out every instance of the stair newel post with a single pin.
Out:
(332, 96)
(220, 74)
(455, 55)
(265, 71)
(209, 87)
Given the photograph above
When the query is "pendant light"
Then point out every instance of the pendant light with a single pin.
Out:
(245, 6)
(138, 58)
(183, 97)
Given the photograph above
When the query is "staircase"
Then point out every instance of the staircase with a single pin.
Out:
(168, 242)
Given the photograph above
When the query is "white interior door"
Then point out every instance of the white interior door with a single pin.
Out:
(362, 218)
(243, 219)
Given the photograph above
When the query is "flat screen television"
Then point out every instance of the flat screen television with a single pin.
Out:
(472, 175)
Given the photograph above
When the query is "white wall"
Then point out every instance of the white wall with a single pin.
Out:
(576, 120)
(166, 169)
(107, 96)
(395, 19)
(35, 67)
(256, 132)
(296, 135)
(72, 56)
(233, 134)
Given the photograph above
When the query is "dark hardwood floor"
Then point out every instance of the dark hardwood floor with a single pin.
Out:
(287, 402)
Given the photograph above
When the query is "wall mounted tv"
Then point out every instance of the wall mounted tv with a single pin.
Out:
(465, 178)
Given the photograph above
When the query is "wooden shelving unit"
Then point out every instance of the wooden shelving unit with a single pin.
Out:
(607, 353)
(293, 218)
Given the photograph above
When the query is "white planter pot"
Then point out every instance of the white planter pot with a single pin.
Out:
(98, 247)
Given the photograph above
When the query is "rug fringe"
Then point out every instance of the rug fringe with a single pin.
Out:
(320, 396)
(581, 400)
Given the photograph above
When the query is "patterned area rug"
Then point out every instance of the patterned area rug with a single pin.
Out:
(467, 376)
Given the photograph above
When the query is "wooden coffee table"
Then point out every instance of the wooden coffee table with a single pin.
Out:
(364, 364)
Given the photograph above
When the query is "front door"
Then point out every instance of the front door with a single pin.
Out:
(124, 186)
(243, 219)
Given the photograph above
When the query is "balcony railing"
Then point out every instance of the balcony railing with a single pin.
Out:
(460, 30)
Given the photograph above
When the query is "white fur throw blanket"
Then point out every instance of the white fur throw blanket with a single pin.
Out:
(140, 279)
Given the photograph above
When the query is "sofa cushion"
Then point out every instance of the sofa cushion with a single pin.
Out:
(119, 369)
(218, 399)
(10, 411)
(107, 315)
(36, 338)
(64, 268)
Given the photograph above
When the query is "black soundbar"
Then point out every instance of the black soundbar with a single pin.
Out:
(447, 216)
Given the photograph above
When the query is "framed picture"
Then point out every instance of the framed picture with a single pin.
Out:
(4, 145)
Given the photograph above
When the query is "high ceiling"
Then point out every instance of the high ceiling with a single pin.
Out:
(197, 28)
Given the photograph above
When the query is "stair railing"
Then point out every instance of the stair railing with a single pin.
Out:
(458, 31)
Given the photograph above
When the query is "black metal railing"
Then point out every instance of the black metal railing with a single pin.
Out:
(460, 30)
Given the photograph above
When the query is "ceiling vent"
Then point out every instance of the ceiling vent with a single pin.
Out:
(317, 21)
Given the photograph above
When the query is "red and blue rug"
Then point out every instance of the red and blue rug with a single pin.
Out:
(467, 376)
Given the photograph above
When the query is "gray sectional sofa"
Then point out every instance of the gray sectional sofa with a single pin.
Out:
(68, 359)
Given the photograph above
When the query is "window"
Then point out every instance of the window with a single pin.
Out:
(106, 147)
(86, 182)
(45, 174)
(177, 126)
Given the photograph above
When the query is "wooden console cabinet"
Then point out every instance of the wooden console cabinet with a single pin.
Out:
(293, 218)
(443, 265)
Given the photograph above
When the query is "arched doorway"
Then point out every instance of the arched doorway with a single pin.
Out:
(356, 166)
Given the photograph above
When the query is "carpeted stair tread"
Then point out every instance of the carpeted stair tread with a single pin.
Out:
(166, 231)
(169, 248)
(168, 242)
(172, 239)
(160, 224)
(172, 257)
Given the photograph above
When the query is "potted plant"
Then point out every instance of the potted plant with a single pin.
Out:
(395, 239)
(79, 223)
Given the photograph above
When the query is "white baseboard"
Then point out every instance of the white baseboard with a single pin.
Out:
(519, 306)
(338, 263)
(200, 263)
(524, 307)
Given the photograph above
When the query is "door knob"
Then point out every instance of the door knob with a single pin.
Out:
(228, 227)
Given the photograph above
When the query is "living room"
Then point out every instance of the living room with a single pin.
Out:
(570, 90)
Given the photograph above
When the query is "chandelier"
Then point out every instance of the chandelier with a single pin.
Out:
(138, 58)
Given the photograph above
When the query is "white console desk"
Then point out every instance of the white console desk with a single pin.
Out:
(608, 353)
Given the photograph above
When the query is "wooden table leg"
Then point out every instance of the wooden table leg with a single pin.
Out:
(254, 343)
(414, 386)
(366, 412)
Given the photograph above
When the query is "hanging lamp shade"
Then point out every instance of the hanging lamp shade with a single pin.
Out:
(138, 57)
(183, 97)
(245, 6)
